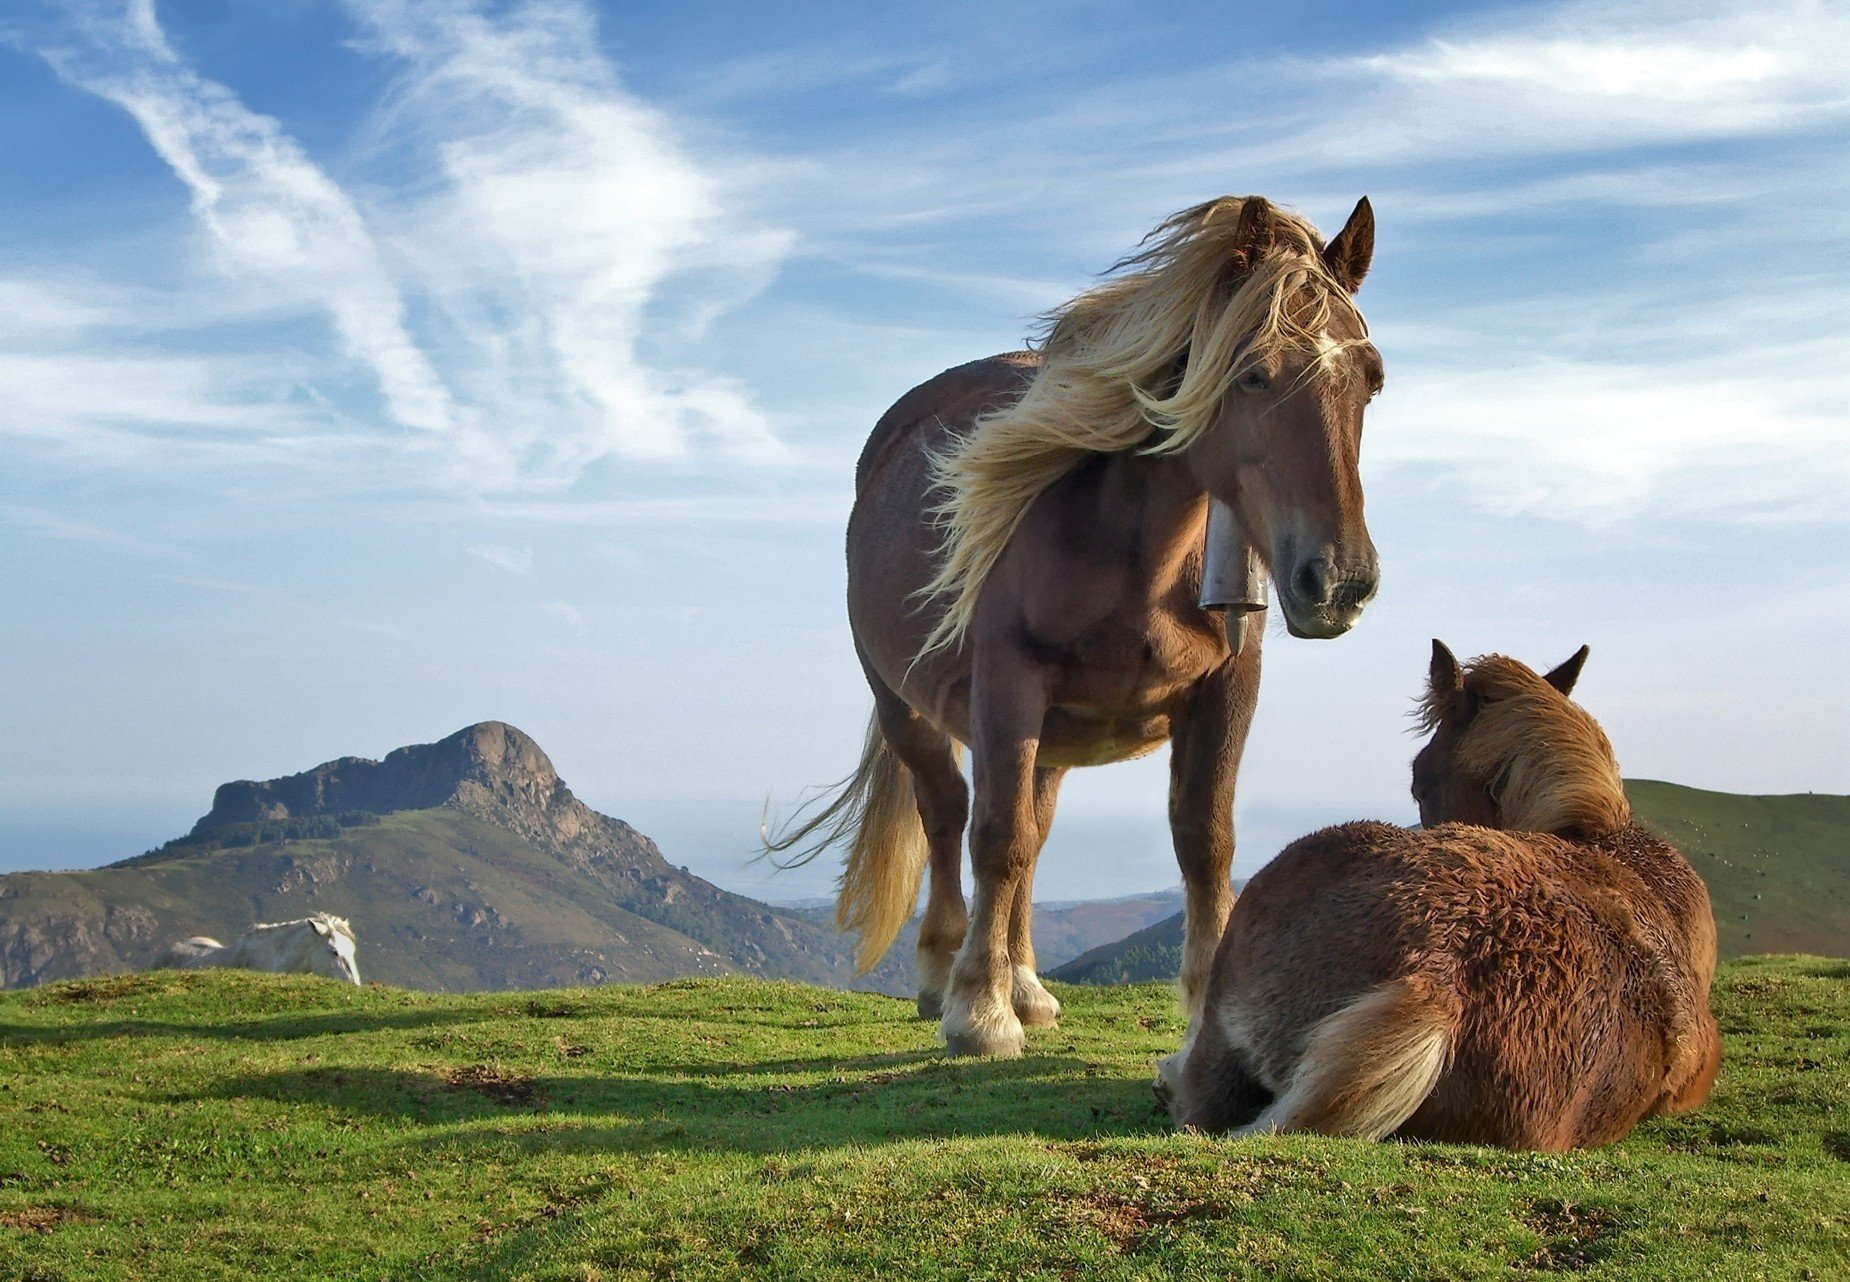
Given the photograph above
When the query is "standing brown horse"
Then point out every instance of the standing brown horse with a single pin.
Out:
(1024, 576)
(1531, 970)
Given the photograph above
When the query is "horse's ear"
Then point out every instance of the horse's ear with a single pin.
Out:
(1349, 255)
(1564, 677)
(1445, 676)
(1252, 234)
(321, 927)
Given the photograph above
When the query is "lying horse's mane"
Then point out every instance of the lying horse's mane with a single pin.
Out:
(1547, 763)
(1194, 302)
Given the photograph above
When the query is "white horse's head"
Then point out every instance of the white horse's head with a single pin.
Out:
(330, 949)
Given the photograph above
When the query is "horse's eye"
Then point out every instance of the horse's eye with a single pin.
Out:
(1254, 380)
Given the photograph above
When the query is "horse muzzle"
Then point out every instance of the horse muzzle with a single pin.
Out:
(1322, 597)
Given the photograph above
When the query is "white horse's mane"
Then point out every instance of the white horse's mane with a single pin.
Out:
(340, 925)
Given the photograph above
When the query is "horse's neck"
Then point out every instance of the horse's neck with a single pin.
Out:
(1159, 497)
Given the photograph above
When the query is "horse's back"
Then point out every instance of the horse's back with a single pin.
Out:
(892, 542)
(947, 403)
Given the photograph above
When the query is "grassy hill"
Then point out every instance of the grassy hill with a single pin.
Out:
(1777, 868)
(229, 1125)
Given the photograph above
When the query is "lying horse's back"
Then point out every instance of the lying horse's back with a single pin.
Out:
(1541, 971)
(1537, 977)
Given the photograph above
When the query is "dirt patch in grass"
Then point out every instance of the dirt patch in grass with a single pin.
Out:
(1577, 1236)
(511, 1089)
(547, 1008)
(1128, 1223)
(38, 1219)
(83, 992)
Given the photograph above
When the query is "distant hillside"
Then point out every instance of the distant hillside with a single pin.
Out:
(1062, 931)
(1777, 868)
(464, 864)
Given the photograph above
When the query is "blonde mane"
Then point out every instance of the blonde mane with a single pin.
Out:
(1108, 382)
(1547, 763)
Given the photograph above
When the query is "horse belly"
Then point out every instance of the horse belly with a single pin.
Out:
(1075, 737)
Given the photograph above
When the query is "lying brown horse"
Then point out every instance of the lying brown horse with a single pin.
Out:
(1531, 969)
(1025, 562)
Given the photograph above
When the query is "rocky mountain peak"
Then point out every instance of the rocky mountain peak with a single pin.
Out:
(485, 768)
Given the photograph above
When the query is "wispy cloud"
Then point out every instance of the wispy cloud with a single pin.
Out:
(518, 562)
(572, 207)
(1598, 441)
(521, 279)
(271, 211)
(1587, 76)
(565, 610)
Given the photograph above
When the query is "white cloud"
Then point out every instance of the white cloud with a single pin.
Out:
(572, 246)
(271, 211)
(518, 562)
(1599, 441)
(565, 610)
(1585, 76)
(571, 208)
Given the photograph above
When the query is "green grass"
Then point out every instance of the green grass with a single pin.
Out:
(228, 1125)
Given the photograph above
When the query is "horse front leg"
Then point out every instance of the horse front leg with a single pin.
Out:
(1207, 737)
(979, 1018)
(1034, 1005)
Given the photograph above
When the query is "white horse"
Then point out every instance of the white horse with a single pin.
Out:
(317, 944)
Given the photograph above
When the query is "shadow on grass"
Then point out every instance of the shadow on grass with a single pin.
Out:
(725, 1107)
(281, 1027)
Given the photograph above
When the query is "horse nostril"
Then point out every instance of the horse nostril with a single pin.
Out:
(1358, 589)
(1312, 581)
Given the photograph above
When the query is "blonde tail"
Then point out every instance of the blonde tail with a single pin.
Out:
(876, 811)
(1370, 1066)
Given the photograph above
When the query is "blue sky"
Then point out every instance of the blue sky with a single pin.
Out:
(371, 369)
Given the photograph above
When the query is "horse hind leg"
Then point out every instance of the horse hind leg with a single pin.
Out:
(943, 800)
(1034, 1005)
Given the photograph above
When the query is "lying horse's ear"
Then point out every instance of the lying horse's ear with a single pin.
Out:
(321, 927)
(1564, 677)
(1349, 255)
(1445, 676)
(1252, 234)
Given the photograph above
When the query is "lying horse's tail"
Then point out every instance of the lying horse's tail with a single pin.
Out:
(1370, 1066)
(875, 810)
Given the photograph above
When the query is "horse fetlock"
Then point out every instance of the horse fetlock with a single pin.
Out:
(1034, 1005)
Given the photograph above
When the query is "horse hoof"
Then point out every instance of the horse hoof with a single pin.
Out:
(931, 1005)
(987, 1045)
(994, 1033)
(1039, 1016)
(1034, 1005)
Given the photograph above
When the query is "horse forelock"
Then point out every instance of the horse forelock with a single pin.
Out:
(1108, 376)
(1546, 761)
